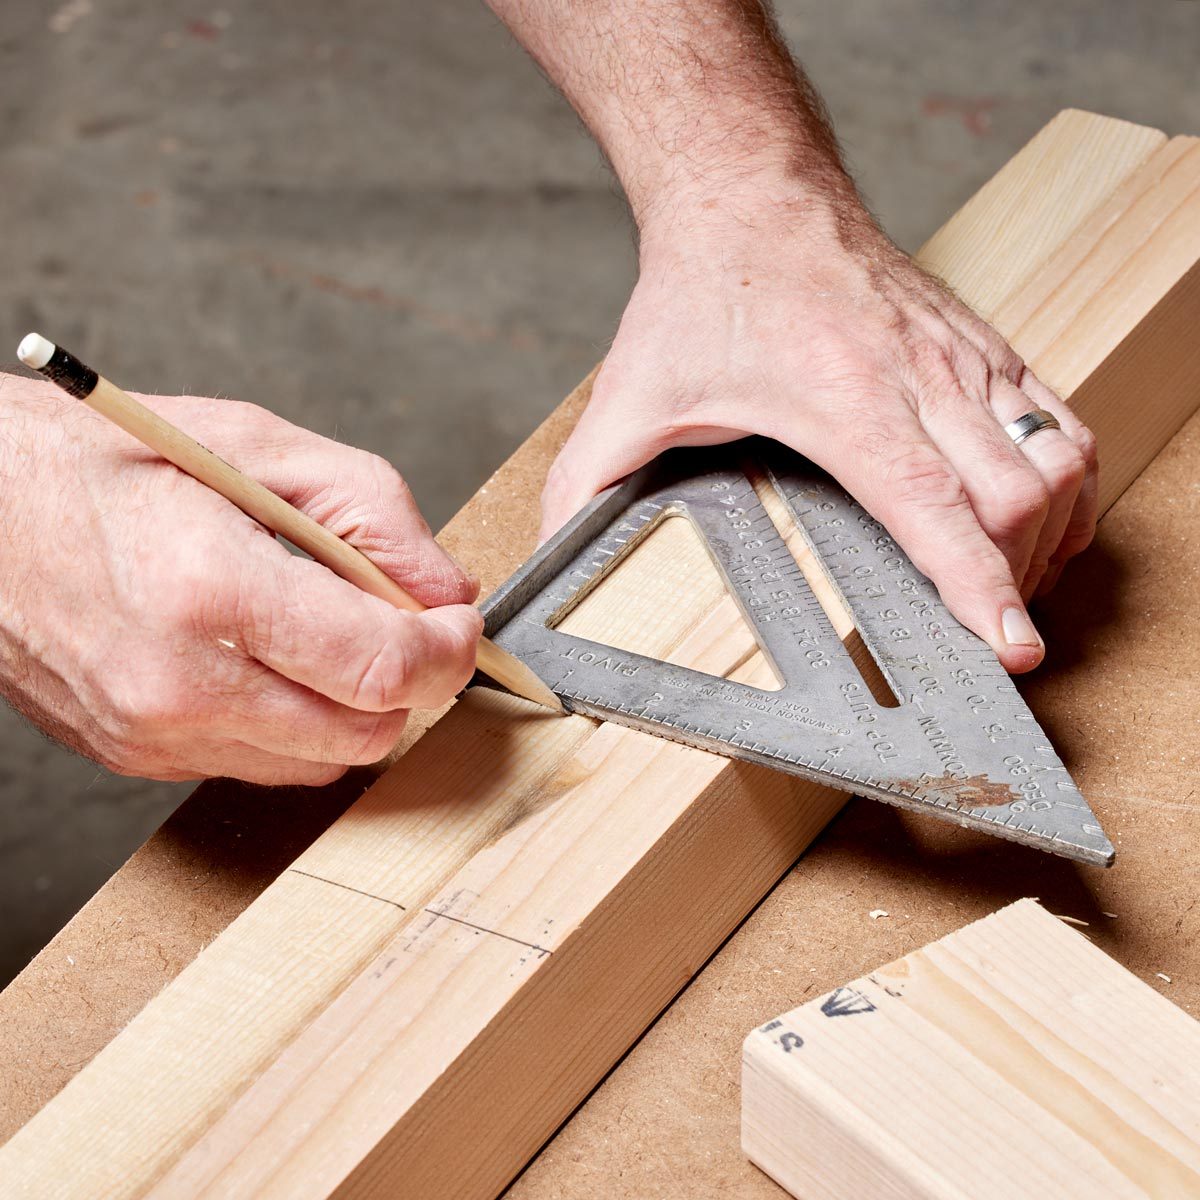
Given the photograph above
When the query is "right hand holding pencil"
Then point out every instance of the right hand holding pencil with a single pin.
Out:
(149, 624)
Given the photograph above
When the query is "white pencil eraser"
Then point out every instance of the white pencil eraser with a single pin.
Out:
(35, 351)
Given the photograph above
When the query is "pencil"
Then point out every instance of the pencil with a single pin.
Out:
(78, 380)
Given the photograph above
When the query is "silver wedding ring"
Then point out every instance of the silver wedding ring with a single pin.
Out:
(1031, 423)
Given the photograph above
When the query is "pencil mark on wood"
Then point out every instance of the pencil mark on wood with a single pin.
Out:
(348, 888)
(846, 1002)
(541, 950)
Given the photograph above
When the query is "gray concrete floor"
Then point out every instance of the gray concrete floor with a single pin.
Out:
(378, 220)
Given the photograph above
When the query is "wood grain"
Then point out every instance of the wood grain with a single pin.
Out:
(999, 238)
(541, 913)
(1012, 1058)
(1137, 250)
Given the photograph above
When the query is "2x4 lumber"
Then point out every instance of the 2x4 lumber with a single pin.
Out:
(1138, 250)
(1000, 237)
(1011, 1058)
(543, 887)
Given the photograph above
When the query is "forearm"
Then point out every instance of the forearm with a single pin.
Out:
(697, 106)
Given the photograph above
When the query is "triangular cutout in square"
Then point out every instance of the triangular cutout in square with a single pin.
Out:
(635, 607)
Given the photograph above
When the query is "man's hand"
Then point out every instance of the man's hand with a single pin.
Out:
(149, 624)
(769, 302)
(829, 339)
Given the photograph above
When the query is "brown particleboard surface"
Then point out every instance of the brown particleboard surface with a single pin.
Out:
(1127, 672)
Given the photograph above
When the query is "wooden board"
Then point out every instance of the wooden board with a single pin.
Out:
(1012, 1058)
(999, 238)
(235, 981)
(1142, 245)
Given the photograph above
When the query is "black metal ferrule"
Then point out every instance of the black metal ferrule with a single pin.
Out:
(70, 374)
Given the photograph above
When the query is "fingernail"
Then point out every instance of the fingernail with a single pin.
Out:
(1018, 628)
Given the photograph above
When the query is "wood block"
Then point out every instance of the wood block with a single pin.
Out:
(537, 913)
(1010, 1059)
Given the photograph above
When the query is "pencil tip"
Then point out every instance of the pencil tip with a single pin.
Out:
(517, 676)
(534, 688)
(539, 693)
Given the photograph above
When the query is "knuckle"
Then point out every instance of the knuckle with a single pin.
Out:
(950, 375)
(184, 603)
(365, 501)
(923, 477)
(246, 413)
(158, 704)
(1069, 471)
(143, 711)
(246, 418)
(386, 662)
(1085, 443)
(972, 370)
(1001, 357)
(1038, 565)
(325, 774)
(377, 740)
(932, 364)
(1019, 499)
(386, 674)
(387, 482)
(200, 597)
(300, 774)
(355, 494)
(1078, 536)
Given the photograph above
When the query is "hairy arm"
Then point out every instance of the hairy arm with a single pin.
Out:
(693, 104)
(770, 302)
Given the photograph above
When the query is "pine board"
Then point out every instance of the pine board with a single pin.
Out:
(999, 238)
(1012, 1058)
